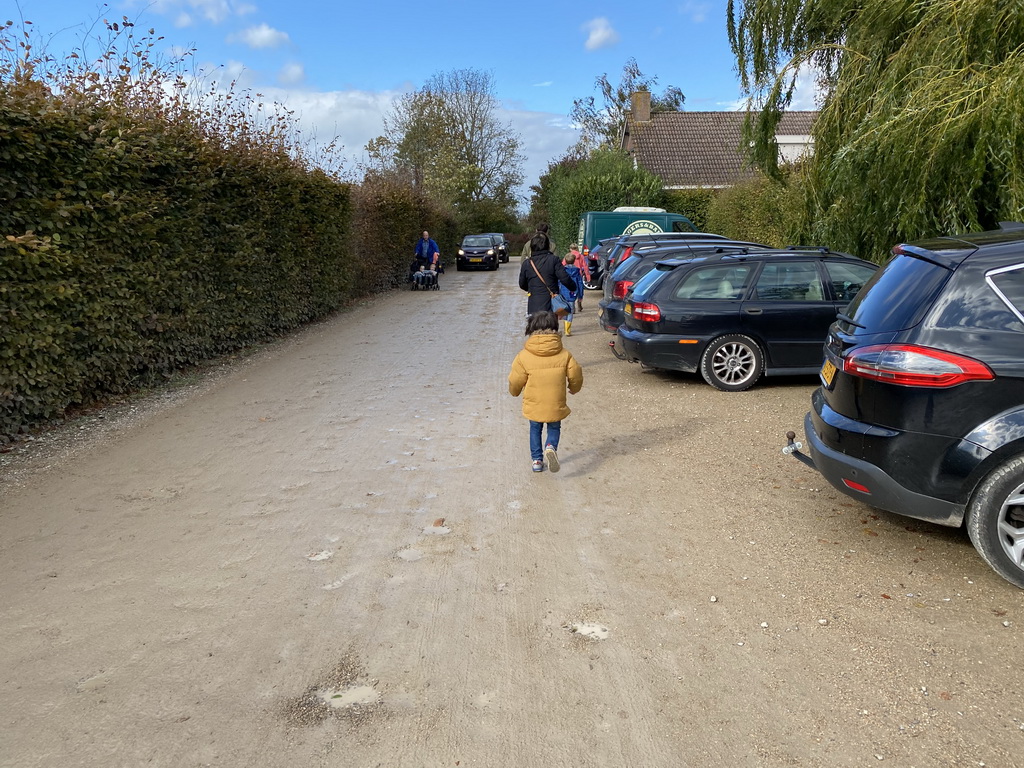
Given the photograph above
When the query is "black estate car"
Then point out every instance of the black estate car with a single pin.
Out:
(640, 259)
(921, 405)
(477, 251)
(738, 315)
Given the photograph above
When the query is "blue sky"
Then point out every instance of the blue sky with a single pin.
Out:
(340, 65)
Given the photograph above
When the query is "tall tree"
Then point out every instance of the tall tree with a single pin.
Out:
(447, 136)
(920, 123)
(601, 123)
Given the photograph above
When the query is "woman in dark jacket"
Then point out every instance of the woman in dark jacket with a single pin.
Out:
(552, 272)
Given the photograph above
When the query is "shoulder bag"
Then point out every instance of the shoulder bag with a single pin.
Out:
(558, 305)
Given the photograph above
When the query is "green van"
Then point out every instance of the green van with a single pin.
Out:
(597, 225)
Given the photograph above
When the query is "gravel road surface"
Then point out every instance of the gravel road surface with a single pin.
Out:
(333, 552)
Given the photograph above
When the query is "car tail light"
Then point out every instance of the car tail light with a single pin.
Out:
(912, 366)
(626, 253)
(620, 288)
(644, 311)
(586, 251)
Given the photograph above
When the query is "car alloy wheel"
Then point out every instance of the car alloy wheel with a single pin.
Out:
(732, 363)
(995, 520)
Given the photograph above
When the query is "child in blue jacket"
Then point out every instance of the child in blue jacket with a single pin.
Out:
(571, 296)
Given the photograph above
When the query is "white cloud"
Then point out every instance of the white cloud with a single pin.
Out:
(696, 11)
(211, 10)
(545, 84)
(262, 36)
(545, 137)
(600, 34)
(806, 95)
(183, 20)
(291, 74)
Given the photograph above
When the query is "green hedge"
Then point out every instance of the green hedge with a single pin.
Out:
(133, 246)
(761, 210)
(691, 203)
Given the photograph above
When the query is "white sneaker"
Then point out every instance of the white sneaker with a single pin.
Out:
(552, 456)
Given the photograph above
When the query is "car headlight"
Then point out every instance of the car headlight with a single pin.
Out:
(490, 252)
(461, 252)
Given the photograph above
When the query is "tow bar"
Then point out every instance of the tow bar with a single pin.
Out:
(792, 448)
(616, 351)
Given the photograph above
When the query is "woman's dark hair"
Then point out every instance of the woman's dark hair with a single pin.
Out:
(538, 243)
(541, 321)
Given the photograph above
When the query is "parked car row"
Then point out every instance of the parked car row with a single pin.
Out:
(486, 251)
(733, 312)
(920, 408)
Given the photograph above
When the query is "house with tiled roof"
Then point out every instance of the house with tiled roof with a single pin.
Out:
(691, 150)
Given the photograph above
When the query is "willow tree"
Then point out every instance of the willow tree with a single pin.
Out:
(922, 111)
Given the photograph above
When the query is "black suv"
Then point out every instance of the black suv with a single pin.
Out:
(921, 405)
(640, 259)
(477, 251)
(500, 245)
(738, 315)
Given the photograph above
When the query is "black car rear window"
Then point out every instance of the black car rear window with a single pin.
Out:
(897, 296)
(644, 284)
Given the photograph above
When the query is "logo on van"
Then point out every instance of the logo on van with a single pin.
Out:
(642, 227)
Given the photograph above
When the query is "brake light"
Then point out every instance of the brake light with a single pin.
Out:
(586, 251)
(620, 288)
(912, 366)
(626, 253)
(644, 311)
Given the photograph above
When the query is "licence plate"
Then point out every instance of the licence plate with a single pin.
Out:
(475, 261)
(628, 309)
(828, 373)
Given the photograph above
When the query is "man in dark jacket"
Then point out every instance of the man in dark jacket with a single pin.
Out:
(551, 273)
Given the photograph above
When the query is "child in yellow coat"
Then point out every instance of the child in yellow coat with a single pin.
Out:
(540, 372)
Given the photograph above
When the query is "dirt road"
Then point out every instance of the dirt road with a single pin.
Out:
(334, 553)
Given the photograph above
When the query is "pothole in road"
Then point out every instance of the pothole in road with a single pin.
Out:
(590, 630)
(353, 696)
(344, 692)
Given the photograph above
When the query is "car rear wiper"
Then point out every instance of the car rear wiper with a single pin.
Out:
(850, 320)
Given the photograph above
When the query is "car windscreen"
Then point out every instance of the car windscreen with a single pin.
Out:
(897, 296)
(476, 242)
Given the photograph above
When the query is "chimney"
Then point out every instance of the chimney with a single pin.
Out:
(641, 106)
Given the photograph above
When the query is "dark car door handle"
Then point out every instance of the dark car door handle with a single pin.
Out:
(753, 310)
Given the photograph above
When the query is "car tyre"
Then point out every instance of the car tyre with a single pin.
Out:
(732, 363)
(995, 520)
(458, 267)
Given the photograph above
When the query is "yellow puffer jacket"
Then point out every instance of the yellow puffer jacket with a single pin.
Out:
(540, 371)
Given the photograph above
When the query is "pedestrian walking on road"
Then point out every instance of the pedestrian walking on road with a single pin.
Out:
(427, 254)
(540, 274)
(571, 297)
(580, 262)
(542, 229)
(541, 372)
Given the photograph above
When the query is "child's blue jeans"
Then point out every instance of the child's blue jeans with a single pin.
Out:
(537, 444)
